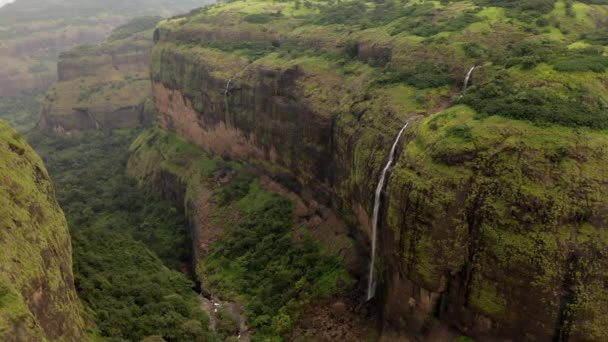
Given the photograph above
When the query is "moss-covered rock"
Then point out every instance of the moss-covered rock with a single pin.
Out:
(494, 211)
(37, 296)
(103, 86)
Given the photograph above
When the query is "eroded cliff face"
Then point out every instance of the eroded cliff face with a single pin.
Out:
(37, 296)
(204, 187)
(102, 86)
(493, 226)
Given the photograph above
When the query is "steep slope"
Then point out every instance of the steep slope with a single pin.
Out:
(263, 254)
(37, 296)
(34, 32)
(102, 86)
(494, 217)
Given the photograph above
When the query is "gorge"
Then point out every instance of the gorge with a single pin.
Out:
(247, 151)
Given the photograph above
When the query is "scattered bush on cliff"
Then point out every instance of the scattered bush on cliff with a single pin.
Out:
(136, 25)
(529, 54)
(598, 36)
(418, 19)
(500, 94)
(423, 75)
(274, 269)
(526, 11)
(262, 18)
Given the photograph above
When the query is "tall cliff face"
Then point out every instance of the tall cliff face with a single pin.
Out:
(494, 218)
(37, 296)
(103, 86)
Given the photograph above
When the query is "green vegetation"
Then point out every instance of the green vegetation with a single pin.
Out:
(521, 170)
(426, 45)
(131, 293)
(417, 19)
(527, 11)
(529, 54)
(128, 245)
(20, 112)
(35, 250)
(423, 75)
(275, 270)
(137, 25)
(104, 85)
(508, 185)
(498, 93)
(261, 259)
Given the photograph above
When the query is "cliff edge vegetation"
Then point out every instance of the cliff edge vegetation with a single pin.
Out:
(494, 216)
(38, 301)
(103, 86)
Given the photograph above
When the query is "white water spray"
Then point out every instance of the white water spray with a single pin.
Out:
(371, 285)
(468, 79)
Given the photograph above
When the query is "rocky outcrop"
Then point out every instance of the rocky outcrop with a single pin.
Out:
(493, 226)
(103, 86)
(38, 301)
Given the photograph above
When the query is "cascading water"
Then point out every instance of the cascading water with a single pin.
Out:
(226, 115)
(468, 79)
(371, 288)
(227, 87)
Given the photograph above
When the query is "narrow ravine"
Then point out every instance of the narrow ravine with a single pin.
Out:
(214, 307)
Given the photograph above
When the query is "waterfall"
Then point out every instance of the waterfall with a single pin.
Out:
(227, 87)
(468, 79)
(226, 114)
(235, 78)
(371, 289)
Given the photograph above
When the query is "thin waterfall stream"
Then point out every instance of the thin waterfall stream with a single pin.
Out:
(467, 80)
(371, 284)
(227, 89)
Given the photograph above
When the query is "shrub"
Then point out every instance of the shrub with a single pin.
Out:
(581, 63)
(499, 94)
(227, 325)
(423, 75)
(262, 18)
(598, 36)
(134, 26)
(261, 261)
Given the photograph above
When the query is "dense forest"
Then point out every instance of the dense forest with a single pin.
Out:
(131, 249)
(304, 170)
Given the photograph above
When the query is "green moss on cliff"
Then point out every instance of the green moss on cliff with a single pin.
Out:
(37, 297)
(102, 86)
(494, 201)
(511, 201)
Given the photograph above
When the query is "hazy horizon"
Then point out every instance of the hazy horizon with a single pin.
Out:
(4, 2)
